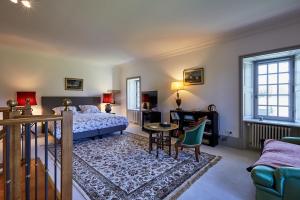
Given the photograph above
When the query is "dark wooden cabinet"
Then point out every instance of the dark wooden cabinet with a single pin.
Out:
(150, 117)
(185, 118)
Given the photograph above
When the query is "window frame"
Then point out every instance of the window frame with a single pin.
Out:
(291, 60)
(138, 94)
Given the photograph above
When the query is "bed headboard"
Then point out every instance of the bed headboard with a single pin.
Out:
(48, 103)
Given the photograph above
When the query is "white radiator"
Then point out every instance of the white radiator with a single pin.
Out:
(134, 116)
(265, 131)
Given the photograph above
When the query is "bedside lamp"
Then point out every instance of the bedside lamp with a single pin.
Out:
(108, 99)
(145, 100)
(26, 99)
(177, 85)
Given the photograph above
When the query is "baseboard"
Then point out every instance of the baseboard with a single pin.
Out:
(233, 142)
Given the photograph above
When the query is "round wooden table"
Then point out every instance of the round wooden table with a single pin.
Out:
(160, 139)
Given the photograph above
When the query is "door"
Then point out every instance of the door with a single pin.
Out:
(133, 99)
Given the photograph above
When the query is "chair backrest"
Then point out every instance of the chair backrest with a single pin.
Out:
(194, 136)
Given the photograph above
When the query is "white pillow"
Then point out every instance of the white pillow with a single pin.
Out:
(58, 110)
(89, 109)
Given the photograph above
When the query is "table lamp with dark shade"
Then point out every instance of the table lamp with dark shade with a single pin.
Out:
(27, 99)
(108, 99)
(177, 85)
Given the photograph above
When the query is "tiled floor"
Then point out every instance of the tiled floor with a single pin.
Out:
(227, 180)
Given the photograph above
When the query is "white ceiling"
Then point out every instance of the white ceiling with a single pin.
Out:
(116, 31)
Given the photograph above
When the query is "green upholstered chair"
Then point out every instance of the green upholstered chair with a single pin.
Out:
(192, 139)
(274, 184)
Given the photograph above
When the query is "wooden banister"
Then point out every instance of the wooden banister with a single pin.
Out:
(15, 160)
(14, 148)
(33, 116)
(7, 109)
(67, 155)
(29, 120)
(12, 123)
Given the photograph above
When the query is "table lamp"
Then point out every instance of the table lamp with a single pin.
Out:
(177, 85)
(108, 99)
(26, 99)
(145, 100)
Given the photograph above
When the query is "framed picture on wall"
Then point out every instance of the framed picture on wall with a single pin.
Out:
(193, 76)
(74, 84)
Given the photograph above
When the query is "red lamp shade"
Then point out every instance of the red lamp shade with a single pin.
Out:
(145, 98)
(108, 98)
(22, 96)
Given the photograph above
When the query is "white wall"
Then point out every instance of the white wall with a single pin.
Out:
(221, 64)
(23, 70)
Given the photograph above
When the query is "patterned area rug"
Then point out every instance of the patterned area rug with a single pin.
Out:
(120, 167)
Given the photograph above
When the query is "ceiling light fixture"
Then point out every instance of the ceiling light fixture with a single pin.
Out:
(26, 3)
(14, 1)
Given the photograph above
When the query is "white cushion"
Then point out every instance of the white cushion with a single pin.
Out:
(58, 110)
(89, 109)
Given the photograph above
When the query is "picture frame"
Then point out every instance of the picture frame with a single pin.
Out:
(74, 84)
(193, 76)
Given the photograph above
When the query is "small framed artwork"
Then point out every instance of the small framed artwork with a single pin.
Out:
(74, 84)
(193, 76)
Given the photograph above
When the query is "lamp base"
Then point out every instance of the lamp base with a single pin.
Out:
(178, 102)
(108, 108)
(145, 105)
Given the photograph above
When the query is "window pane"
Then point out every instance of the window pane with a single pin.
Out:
(284, 66)
(272, 111)
(284, 89)
(273, 86)
(283, 100)
(262, 79)
(272, 100)
(272, 79)
(272, 68)
(283, 112)
(262, 100)
(284, 78)
(272, 89)
(262, 110)
(262, 89)
(262, 69)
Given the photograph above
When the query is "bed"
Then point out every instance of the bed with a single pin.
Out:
(85, 125)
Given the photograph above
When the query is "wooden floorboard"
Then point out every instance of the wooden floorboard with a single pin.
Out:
(40, 185)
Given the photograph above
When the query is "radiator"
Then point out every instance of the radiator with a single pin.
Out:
(134, 116)
(265, 131)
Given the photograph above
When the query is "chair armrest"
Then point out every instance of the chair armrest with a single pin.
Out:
(293, 140)
(283, 174)
(263, 175)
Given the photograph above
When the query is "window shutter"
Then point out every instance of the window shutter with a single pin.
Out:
(297, 88)
(248, 89)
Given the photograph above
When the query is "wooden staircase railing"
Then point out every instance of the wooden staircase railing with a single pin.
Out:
(13, 125)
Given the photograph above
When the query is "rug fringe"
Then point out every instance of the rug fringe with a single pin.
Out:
(188, 183)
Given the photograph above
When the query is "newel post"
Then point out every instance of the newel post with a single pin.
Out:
(67, 155)
(12, 155)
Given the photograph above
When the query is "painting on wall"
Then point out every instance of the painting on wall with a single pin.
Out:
(193, 76)
(74, 84)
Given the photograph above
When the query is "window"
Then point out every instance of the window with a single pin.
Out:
(133, 94)
(273, 89)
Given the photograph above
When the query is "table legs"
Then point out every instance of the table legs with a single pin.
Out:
(170, 144)
(150, 142)
(160, 143)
